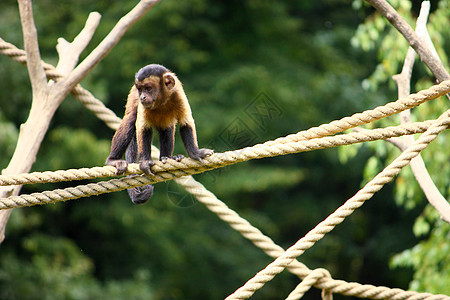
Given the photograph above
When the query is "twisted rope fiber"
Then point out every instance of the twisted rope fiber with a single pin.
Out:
(333, 127)
(341, 213)
(350, 290)
(239, 224)
(221, 159)
(322, 280)
(265, 243)
(255, 235)
(85, 97)
(177, 169)
(113, 121)
(307, 283)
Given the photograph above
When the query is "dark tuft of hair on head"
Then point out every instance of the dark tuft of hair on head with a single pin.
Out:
(151, 70)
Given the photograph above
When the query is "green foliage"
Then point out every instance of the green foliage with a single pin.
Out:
(64, 145)
(427, 257)
(55, 268)
(8, 138)
(377, 33)
(256, 180)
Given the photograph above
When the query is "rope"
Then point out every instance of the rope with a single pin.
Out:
(220, 159)
(265, 243)
(342, 212)
(176, 169)
(246, 229)
(308, 282)
(240, 224)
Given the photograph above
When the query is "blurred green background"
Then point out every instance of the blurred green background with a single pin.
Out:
(253, 71)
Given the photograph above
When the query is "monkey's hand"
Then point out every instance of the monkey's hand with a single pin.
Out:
(178, 157)
(201, 153)
(120, 164)
(146, 165)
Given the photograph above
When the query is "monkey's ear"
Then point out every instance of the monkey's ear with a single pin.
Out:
(169, 81)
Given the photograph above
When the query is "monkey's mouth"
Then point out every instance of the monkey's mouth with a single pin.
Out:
(148, 104)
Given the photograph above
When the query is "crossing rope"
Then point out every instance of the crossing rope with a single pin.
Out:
(319, 278)
(271, 148)
(337, 217)
(190, 166)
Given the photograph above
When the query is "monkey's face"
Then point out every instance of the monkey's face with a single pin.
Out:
(149, 93)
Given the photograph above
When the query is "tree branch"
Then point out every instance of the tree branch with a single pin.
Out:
(421, 29)
(417, 164)
(47, 98)
(69, 53)
(109, 42)
(26, 149)
(35, 69)
(403, 27)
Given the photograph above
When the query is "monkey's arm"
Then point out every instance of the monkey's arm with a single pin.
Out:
(189, 137)
(120, 142)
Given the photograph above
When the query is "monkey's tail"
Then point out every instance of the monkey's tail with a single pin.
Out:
(141, 194)
(138, 195)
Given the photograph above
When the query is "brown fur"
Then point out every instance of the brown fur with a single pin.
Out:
(172, 109)
(166, 115)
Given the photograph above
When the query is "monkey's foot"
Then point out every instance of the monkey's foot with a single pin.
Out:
(120, 164)
(205, 152)
(201, 153)
(146, 165)
(178, 157)
(141, 194)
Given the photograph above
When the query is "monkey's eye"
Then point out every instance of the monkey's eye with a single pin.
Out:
(149, 89)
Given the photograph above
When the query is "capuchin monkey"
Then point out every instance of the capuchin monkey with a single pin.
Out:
(156, 101)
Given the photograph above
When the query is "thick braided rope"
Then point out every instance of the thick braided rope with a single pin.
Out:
(217, 160)
(374, 292)
(221, 159)
(266, 243)
(342, 212)
(96, 106)
(238, 223)
(113, 121)
(85, 97)
(322, 280)
(323, 130)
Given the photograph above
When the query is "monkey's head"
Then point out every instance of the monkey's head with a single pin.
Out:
(155, 84)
